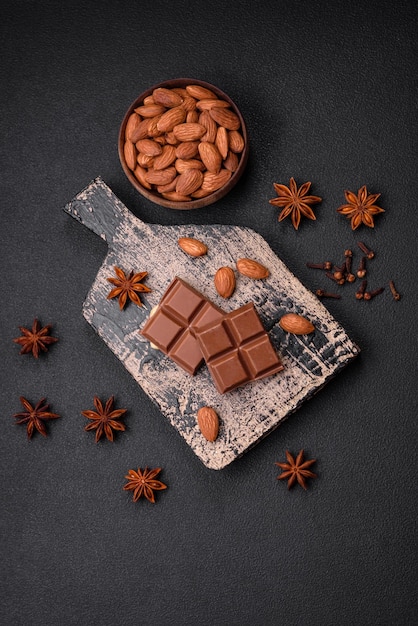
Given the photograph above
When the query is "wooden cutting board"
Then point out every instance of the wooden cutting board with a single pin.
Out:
(249, 413)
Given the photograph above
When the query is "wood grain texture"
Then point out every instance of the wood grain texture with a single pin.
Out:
(246, 414)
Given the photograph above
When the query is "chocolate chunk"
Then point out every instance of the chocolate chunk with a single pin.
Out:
(237, 349)
(181, 312)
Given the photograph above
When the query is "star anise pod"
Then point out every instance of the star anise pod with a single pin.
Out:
(34, 416)
(296, 470)
(294, 202)
(105, 420)
(143, 483)
(361, 207)
(36, 339)
(127, 287)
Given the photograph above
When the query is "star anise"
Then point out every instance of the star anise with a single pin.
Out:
(35, 339)
(296, 470)
(294, 202)
(127, 287)
(144, 483)
(34, 416)
(361, 207)
(105, 420)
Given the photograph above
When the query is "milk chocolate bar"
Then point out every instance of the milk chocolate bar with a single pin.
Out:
(181, 312)
(237, 349)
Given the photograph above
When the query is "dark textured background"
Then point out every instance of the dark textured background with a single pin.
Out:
(329, 94)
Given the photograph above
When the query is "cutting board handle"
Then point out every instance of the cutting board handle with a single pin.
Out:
(97, 208)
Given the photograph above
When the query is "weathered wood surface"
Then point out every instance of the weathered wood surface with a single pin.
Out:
(248, 413)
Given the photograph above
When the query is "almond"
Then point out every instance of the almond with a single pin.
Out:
(140, 176)
(141, 131)
(210, 125)
(221, 141)
(150, 110)
(225, 117)
(193, 247)
(144, 160)
(209, 103)
(153, 130)
(208, 422)
(252, 269)
(210, 156)
(187, 149)
(296, 324)
(168, 187)
(171, 118)
(174, 196)
(189, 131)
(231, 162)
(132, 124)
(182, 165)
(236, 141)
(201, 193)
(149, 147)
(129, 153)
(189, 104)
(149, 100)
(166, 158)
(198, 92)
(192, 117)
(167, 97)
(212, 182)
(189, 181)
(225, 281)
(160, 177)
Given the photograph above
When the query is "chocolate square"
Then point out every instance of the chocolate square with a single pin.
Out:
(237, 349)
(181, 312)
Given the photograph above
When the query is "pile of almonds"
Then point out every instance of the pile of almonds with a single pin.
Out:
(183, 143)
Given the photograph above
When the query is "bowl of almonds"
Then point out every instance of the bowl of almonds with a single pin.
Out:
(183, 144)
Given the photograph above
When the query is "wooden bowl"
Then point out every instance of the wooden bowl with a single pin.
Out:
(153, 194)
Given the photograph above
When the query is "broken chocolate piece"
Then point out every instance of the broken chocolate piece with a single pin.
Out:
(172, 328)
(237, 349)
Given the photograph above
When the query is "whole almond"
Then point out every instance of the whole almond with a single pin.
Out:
(140, 176)
(187, 149)
(174, 196)
(193, 247)
(160, 177)
(210, 125)
(236, 141)
(167, 97)
(141, 131)
(189, 131)
(201, 193)
(171, 118)
(221, 141)
(296, 324)
(209, 103)
(225, 117)
(199, 92)
(149, 100)
(225, 281)
(166, 158)
(208, 422)
(149, 147)
(182, 165)
(132, 124)
(150, 110)
(252, 269)
(192, 117)
(189, 181)
(231, 162)
(210, 156)
(212, 182)
(129, 152)
(168, 187)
